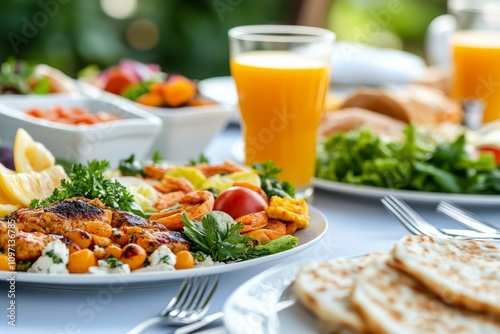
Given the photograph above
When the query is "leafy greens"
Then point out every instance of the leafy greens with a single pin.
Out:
(359, 157)
(218, 236)
(272, 186)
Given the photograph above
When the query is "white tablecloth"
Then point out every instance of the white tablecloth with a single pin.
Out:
(356, 226)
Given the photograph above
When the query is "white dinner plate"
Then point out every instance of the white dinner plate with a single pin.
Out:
(307, 237)
(251, 308)
(407, 195)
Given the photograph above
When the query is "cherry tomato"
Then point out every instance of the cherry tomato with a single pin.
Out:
(239, 201)
(495, 151)
(118, 80)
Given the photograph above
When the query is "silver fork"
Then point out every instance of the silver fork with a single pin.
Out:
(418, 225)
(286, 300)
(466, 218)
(189, 305)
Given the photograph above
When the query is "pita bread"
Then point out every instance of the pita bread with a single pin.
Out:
(324, 289)
(462, 272)
(390, 301)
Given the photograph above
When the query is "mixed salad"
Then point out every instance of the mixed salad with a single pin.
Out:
(155, 217)
(419, 162)
(21, 77)
(145, 84)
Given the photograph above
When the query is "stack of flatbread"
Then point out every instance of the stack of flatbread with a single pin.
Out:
(424, 285)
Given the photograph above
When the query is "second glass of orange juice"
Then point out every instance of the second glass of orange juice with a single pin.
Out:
(282, 78)
(475, 49)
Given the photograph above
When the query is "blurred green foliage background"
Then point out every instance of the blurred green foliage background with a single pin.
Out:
(185, 36)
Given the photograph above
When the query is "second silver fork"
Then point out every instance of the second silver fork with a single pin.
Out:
(466, 218)
(418, 225)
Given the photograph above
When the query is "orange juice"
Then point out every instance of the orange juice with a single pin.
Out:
(476, 62)
(281, 96)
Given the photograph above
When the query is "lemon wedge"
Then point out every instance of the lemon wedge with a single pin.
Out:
(249, 176)
(193, 175)
(217, 181)
(4, 169)
(22, 188)
(3, 198)
(29, 155)
(6, 209)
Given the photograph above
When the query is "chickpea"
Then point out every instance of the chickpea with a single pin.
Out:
(118, 236)
(80, 261)
(70, 245)
(133, 255)
(4, 263)
(80, 237)
(113, 250)
(184, 260)
(101, 241)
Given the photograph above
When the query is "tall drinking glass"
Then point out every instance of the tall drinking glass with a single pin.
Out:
(282, 78)
(475, 48)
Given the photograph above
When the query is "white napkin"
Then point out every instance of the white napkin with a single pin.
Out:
(356, 64)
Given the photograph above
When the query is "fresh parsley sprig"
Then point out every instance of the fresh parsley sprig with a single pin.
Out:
(218, 236)
(202, 159)
(270, 183)
(89, 182)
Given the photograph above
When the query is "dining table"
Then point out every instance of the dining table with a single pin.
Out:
(357, 225)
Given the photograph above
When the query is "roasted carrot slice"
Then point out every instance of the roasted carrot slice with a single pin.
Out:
(253, 221)
(153, 99)
(178, 90)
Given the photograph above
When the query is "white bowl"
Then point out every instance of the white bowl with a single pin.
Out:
(134, 133)
(187, 131)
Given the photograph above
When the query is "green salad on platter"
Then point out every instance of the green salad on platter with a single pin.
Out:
(416, 163)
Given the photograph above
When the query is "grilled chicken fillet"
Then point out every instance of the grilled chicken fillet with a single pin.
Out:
(35, 228)
(28, 246)
(62, 216)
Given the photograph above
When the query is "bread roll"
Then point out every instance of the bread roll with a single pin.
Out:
(353, 118)
(417, 104)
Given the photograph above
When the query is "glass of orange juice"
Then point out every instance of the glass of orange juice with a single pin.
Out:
(475, 49)
(282, 77)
